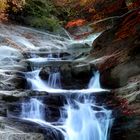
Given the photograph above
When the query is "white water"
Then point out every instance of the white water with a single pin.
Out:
(54, 83)
(95, 81)
(23, 42)
(85, 123)
(35, 82)
(79, 119)
(88, 40)
(54, 80)
(33, 109)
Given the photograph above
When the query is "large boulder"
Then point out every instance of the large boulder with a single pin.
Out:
(74, 75)
(81, 70)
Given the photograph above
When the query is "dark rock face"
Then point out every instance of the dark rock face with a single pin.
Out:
(81, 70)
(44, 73)
(117, 56)
(75, 76)
(119, 75)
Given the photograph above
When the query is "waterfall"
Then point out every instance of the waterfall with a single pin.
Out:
(53, 85)
(35, 82)
(54, 80)
(80, 119)
(33, 109)
(95, 81)
(85, 123)
(85, 120)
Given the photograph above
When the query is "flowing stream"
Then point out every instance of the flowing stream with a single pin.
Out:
(83, 121)
(81, 118)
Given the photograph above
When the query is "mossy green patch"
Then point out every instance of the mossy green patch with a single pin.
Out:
(41, 13)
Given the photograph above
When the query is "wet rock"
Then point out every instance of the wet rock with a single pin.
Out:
(66, 74)
(12, 82)
(81, 70)
(19, 128)
(44, 73)
(73, 75)
(131, 93)
(51, 64)
(11, 132)
(21, 136)
(3, 108)
(14, 95)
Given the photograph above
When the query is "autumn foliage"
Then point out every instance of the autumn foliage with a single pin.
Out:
(117, 7)
(70, 13)
(74, 23)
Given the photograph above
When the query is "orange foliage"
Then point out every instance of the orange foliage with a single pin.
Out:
(75, 23)
(128, 26)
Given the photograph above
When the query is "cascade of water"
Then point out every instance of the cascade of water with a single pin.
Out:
(88, 40)
(95, 81)
(35, 82)
(54, 83)
(33, 109)
(83, 122)
(54, 80)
